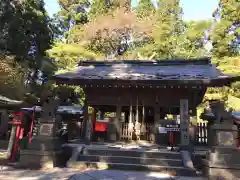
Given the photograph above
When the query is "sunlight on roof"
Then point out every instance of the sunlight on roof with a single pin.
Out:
(159, 175)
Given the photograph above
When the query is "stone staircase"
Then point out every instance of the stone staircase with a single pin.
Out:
(141, 158)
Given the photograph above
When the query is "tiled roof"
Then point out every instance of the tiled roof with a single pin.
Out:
(5, 100)
(60, 109)
(145, 70)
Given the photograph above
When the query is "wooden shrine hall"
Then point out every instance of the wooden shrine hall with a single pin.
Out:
(145, 91)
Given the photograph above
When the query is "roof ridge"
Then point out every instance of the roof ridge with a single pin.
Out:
(173, 62)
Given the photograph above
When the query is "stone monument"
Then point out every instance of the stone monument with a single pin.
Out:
(43, 150)
(184, 124)
(185, 147)
(223, 159)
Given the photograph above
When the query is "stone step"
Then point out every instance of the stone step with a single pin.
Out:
(159, 154)
(174, 170)
(120, 158)
(131, 160)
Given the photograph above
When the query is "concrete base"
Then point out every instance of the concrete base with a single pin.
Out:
(222, 163)
(220, 172)
(41, 153)
(187, 160)
(35, 159)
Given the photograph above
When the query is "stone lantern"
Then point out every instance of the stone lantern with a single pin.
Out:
(223, 158)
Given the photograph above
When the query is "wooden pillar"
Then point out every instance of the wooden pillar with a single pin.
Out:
(137, 114)
(118, 113)
(156, 118)
(118, 120)
(88, 125)
(101, 114)
(156, 113)
(184, 123)
(126, 116)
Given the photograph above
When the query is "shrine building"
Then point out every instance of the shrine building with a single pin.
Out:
(143, 92)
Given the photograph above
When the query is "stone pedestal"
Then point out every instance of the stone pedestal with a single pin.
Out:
(223, 160)
(43, 151)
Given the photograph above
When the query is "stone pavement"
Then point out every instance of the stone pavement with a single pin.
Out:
(69, 174)
(125, 175)
(56, 173)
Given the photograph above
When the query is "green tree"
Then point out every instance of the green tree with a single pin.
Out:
(225, 36)
(192, 42)
(12, 76)
(25, 24)
(25, 34)
(167, 26)
(68, 55)
(145, 9)
(98, 7)
(103, 7)
(225, 41)
(108, 28)
(72, 12)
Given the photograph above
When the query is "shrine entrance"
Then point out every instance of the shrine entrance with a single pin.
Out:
(141, 119)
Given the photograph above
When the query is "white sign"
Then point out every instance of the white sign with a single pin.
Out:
(162, 130)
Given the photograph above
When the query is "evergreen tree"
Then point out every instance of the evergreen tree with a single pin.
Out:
(167, 26)
(72, 13)
(226, 35)
(225, 39)
(24, 24)
(101, 7)
(25, 34)
(145, 9)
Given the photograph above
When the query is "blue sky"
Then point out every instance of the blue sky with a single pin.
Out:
(193, 9)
